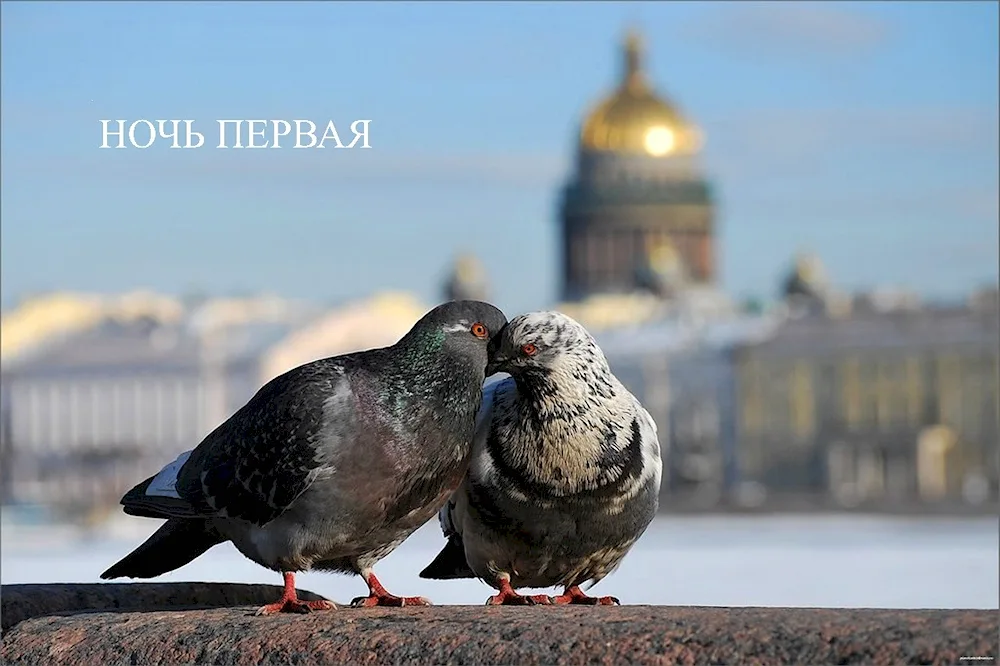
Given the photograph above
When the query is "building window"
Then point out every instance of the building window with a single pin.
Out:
(869, 390)
(851, 397)
(913, 388)
(929, 404)
(777, 401)
(828, 405)
(892, 394)
(949, 385)
(36, 425)
(624, 257)
(802, 400)
(704, 256)
(975, 380)
(595, 259)
(577, 257)
(611, 256)
(686, 250)
(103, 405)
(750, 399)
(81, 415)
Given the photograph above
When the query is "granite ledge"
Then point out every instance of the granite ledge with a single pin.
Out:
(213, 623)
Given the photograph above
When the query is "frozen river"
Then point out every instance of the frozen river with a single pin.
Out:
(819, 561)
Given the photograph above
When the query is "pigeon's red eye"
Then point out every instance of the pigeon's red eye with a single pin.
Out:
(479, 330)
(529, 349)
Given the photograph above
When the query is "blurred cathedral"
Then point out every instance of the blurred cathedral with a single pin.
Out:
(638, 214)
(467, 280)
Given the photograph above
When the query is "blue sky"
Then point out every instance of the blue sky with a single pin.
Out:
(864, 132)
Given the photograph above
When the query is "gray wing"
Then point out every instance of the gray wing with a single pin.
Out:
(451, 562)
(650, 445)
(259, 461)
(483, 420)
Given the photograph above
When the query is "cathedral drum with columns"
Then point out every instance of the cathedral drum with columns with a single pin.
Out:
(638, 213)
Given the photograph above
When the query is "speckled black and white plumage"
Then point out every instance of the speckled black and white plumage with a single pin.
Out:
(565, 471)
(334, 463)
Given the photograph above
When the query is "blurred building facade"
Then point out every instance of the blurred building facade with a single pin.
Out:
(873, 404)
(879, 401)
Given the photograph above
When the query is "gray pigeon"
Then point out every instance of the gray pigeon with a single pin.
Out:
(565, 470)
(331, 465)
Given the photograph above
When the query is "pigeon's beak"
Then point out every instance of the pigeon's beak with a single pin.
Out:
(492, 368)
(495, 358)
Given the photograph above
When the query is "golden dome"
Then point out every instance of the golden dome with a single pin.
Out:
(634, 120)
(809, 268)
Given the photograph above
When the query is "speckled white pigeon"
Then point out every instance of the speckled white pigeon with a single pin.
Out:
(565, 471)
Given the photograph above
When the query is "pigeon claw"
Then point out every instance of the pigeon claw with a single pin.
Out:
(508, 597)
(574, 595)
(519, 600)
(290, 602)
(389, 600)
(378, 596)
(295, 606)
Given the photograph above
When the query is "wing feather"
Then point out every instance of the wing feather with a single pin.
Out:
(652, 464)
(260, 460)
(484, 418)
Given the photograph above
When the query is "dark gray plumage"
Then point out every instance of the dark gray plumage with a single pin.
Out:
(331, 465)
(565, 470)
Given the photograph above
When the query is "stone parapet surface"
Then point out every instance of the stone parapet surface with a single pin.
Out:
(212, 623)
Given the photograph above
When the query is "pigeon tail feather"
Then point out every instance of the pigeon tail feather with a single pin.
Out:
(175, 544)
(450, 562)
(138, 502)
